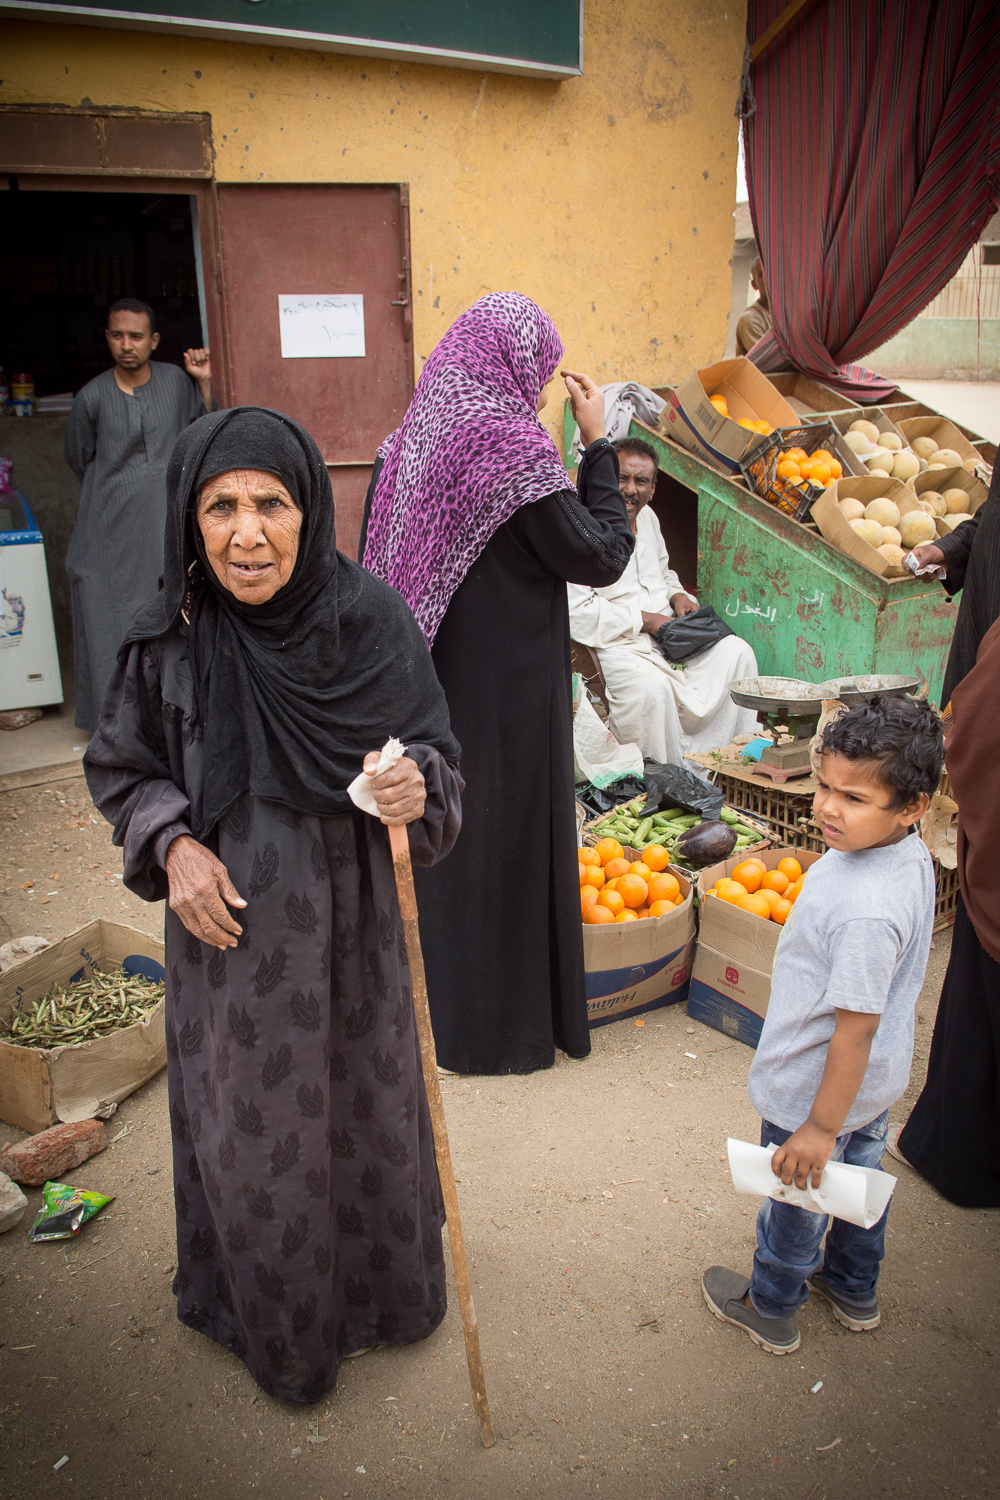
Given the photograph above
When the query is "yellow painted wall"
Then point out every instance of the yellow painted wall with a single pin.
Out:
(608, 198)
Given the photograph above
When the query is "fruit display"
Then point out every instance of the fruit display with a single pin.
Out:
(936, 457)
(820, 467)
(889, 453)
(630, 825)
(752, 424)
(616, 889)
(916, 527)
(765, 893)
(882, 526)
(883, 452)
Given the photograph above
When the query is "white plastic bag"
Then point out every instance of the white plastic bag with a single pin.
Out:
(597, 754)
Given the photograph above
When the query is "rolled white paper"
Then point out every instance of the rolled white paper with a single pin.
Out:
(857, 1194)
(360, 789)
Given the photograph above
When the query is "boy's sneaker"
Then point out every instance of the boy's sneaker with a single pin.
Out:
(858, 1317)
(724, 1291)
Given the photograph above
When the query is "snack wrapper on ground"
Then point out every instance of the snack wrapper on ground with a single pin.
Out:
(65, 1209)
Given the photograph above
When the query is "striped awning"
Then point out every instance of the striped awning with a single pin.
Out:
(873, 163)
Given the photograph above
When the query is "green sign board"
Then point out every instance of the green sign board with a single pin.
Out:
(541, 38)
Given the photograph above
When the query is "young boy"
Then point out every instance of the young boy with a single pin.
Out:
(837, 1042)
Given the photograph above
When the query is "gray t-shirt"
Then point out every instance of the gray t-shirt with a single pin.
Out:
(856, 939)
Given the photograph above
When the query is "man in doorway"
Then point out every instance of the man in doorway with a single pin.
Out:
(757, 320)
(665, 709)
(118, 439)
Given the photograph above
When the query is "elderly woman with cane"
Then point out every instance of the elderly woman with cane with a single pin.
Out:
(268, 671)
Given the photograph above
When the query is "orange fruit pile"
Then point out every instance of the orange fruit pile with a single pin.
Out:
(751, 423)
(614, 889)
(770, 894)
(800, 467)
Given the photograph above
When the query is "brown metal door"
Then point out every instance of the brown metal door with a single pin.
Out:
(291, 239)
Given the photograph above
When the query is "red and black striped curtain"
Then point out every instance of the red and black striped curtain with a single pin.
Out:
(873, 164)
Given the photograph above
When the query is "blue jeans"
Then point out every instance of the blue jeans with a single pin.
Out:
(789, 1239)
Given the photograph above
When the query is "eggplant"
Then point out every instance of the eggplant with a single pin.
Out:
(706, 843)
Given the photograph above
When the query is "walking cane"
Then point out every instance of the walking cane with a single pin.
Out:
(399, 844)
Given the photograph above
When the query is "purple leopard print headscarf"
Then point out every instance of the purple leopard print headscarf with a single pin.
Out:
(469, 453)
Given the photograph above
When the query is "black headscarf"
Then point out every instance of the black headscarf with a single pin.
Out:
(289, 695)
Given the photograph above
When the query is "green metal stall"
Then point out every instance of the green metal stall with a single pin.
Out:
(806, 608)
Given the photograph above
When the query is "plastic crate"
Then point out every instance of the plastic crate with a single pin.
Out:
(761, 470)
(946, 888)
(789, 817)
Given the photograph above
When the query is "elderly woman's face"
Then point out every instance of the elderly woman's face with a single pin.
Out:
(250, 526)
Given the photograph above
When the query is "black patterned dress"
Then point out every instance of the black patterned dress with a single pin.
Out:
(309, 1211)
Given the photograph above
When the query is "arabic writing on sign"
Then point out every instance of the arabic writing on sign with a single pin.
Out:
(330, 325)
(770, 615)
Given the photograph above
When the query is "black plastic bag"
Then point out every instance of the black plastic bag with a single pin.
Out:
(673, 786)
(690, 635)
(601, 799)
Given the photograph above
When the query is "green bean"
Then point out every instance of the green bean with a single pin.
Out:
(84, 1011)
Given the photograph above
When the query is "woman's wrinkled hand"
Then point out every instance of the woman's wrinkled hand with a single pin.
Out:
(200, 891)
(399, 793)
(587, 401)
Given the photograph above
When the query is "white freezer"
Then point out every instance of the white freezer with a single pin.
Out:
(29, 662)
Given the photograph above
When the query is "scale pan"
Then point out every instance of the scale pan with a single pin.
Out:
(857, 690)
(788, 696)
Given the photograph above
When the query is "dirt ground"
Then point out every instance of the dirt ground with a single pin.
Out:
(593, 1196)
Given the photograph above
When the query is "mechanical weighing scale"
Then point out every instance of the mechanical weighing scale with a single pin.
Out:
(786, 705)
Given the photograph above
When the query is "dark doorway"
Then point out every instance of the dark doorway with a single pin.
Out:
(66, 257)
(676, 509)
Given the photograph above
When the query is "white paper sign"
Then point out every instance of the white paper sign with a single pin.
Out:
(858, 1194)
(324, 326)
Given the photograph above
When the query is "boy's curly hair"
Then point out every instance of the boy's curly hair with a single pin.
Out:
(902, 734)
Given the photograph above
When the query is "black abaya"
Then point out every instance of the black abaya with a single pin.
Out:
(500, 921)
(972, 555)
(953, 1135)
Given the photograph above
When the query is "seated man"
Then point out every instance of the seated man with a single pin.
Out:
(758, 318)
(666, 710)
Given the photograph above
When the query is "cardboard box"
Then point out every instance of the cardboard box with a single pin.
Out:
(944, 433)
(41, 1086)
(729, 997)
(633, 967)
(731, 981)
(835, 526)
(951, 479)
(691, 420)
(844, 420)
(809, 397)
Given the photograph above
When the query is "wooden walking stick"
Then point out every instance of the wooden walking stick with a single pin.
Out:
(400, 846)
